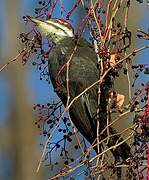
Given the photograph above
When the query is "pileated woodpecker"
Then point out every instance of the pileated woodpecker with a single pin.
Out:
(83, 72)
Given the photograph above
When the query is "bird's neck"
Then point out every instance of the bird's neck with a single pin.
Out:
(59, 37)
(65, 44)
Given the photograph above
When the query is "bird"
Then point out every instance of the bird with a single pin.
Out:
(82, 73)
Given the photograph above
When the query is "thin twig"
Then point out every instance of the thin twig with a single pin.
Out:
(12, 60)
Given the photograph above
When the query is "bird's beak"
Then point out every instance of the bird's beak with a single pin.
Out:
(43, 26)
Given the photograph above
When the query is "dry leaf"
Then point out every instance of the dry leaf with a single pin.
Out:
(120, 100)
(112, 59)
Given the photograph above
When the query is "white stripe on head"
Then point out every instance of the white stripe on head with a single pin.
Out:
(64, 28)
(54, 29)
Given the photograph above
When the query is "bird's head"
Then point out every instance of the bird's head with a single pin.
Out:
(55, 29)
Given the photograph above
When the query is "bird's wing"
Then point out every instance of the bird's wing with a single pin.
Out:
(82, 73)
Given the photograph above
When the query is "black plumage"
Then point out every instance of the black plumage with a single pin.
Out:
(83, 72)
